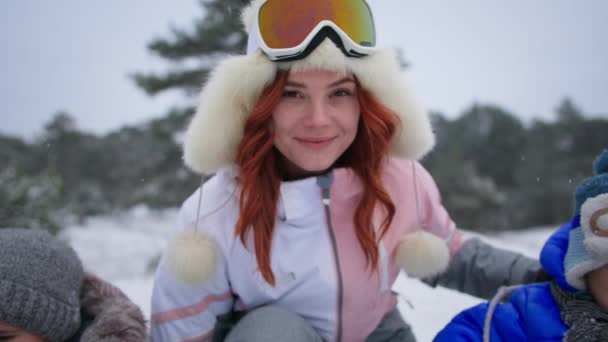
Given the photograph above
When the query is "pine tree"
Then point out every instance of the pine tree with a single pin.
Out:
(218, 33)
(163, 180)
(568, 111)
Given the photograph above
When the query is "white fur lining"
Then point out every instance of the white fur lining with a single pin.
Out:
(247, 16)
(589, 208)
(576, 275)
(217, 126)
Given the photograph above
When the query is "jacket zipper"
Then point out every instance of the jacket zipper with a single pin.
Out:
(324, 182)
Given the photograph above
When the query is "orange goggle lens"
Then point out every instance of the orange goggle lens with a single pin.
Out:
(286, 23)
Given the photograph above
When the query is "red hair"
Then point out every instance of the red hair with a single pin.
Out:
(259, 176)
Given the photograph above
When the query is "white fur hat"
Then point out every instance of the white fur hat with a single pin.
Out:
(237, 82)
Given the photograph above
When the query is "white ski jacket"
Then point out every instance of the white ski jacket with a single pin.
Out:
(318, 263)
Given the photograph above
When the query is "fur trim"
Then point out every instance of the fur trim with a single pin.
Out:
(589, 208)
(192, 257)
(576, 275)
(235, 85)
(595, 244)
(582, 257)
(116, 317)
(422, 254)
(247, 16)
(215, 131)
(381, 75)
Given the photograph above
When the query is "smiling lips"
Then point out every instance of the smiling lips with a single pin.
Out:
(315, 143)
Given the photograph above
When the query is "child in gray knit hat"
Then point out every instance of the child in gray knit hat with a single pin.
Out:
(45, 295)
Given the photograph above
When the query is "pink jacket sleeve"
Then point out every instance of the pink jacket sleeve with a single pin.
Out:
(435, 217)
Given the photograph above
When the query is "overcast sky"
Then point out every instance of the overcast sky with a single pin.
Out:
(77, 55)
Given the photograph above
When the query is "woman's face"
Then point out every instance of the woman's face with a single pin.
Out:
(315, 121)
(597, 282)
(10, 333)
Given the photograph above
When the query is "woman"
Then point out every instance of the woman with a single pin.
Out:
(45, 295)
(317, 200)
(574, 305)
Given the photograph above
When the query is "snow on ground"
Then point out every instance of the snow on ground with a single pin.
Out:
(124, 250)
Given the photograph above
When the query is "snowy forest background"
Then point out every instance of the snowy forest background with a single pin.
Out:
(495, 172)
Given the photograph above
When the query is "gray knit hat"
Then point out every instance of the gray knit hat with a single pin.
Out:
(40, 280)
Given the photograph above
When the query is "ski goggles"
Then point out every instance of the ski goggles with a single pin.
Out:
(286, 28)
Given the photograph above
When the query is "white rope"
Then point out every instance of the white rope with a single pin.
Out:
(502, 292)
(200, 200)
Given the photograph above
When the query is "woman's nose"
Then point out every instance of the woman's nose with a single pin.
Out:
(319, 113)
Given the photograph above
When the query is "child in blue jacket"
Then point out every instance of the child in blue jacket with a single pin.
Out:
(574, 305)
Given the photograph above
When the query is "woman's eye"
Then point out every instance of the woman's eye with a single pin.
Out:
(343, 92)
(292, 93)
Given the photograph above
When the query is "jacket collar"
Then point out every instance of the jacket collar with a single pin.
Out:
(300, 202)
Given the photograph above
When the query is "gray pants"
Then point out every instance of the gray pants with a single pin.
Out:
(274, 324)
(392, 328)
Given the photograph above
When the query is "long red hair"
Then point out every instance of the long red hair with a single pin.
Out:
(260, 177)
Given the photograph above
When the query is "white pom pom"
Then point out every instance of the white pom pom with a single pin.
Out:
(422, 254)
(192, 257)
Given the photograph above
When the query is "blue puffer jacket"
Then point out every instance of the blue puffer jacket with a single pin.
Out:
(530, 314)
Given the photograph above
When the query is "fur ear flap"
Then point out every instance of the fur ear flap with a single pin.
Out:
(422, 254)
(234, 87)
(192, 257)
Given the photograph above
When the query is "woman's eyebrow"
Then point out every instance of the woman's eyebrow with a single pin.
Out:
(295, 84)
(342, 81)
(333, 84)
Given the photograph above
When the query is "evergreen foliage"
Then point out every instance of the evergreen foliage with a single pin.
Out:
(214, 36)
(497, 174)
